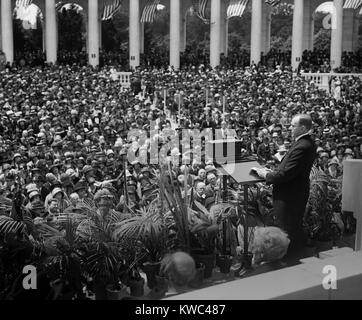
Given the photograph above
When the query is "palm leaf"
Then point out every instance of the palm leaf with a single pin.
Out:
(10, 226)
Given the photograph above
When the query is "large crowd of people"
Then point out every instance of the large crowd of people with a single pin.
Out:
(65, 127)
(67, 130)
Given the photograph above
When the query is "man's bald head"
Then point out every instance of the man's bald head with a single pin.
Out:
(179, 267)
(301, 124)
(304, 120)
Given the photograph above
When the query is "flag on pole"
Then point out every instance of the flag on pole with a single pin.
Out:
(149, 12)
(199, 7)
(23, 3)
(21, 7)
(27, 14)
(236, 8)
(273, 3)
(109, 10)
(59, 6)
(352, 4)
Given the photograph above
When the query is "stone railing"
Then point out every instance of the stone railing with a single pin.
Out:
(322, 80)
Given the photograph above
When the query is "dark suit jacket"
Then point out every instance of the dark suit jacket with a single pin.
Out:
(291, 187)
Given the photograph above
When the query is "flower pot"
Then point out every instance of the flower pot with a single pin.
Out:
(116, 294)
(197, 281)
(137, 287)
(151, 269)
(224, 263)
(208, 260)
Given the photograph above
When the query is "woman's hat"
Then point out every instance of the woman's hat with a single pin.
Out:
(33, 194)
(57, 190)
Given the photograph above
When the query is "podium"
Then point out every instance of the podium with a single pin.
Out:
(351, 195)
(241, 173)
(225, 151)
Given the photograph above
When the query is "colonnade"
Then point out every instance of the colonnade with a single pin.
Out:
(344, 30)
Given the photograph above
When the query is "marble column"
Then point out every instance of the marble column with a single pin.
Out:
(93, 33)
(256, 31)
(134, 33)
(7, 35)
(50, 32)
(175, 28)
(215, 33)
(337, 32)
(297, 39)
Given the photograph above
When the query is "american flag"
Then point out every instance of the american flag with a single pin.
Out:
(59, 5)
(199, 7)
(352, 4)
(149, 11)
(236, 8)
(273, 3)
(22, 12)
(23, 3)
(109, 10)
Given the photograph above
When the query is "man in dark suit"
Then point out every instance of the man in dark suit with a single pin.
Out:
(291, 184)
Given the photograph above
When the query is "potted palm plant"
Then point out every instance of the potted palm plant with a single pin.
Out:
(319, 219)
(136, 283)
(103, 258)
(145, 231)
(203, 234)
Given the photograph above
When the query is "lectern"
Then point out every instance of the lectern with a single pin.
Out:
(241, 173)
(351, 195)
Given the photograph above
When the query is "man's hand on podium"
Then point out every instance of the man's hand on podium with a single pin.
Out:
(261, 172)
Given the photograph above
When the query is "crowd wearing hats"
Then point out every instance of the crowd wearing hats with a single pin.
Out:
(64, 130)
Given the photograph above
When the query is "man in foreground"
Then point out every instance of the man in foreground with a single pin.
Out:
(291, 184)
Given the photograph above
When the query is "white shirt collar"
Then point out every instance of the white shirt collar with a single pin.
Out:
(303, 135)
